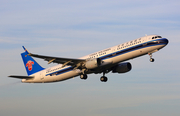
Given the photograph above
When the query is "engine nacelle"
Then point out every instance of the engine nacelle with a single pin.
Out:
(94, 63)
(122, 68)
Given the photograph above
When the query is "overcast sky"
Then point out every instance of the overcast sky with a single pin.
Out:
(75, 28)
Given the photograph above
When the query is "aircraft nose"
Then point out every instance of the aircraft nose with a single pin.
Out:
(164, 41)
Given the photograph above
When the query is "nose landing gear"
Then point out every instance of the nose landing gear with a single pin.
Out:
(151, 59)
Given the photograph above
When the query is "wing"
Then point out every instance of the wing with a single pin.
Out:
(68, 61)
(64, 61)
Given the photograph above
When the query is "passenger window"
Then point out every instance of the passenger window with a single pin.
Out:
(152, 37)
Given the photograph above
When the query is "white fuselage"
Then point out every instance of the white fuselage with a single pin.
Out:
(109, 56)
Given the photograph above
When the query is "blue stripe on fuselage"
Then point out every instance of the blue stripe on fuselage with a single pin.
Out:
(162, 41)
(61, 71)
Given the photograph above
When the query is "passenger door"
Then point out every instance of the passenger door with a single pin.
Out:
(41, 75)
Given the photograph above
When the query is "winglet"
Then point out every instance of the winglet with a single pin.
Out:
(26, 50)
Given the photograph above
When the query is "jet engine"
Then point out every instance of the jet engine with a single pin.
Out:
(122, 68)
(94, 63)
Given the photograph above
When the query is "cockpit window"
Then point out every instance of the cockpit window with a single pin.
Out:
(156, 37)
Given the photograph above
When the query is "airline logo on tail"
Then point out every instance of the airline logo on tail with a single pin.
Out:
(29, 65)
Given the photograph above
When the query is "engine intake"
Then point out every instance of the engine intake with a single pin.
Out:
(122, 68)
(94, 63)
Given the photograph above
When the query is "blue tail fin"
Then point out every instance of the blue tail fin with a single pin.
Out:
(30, 64)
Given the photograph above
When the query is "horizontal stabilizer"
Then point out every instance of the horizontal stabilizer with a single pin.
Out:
(21, 77)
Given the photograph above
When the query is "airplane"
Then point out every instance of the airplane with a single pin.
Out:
(113, 59)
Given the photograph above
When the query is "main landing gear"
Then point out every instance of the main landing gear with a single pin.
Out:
(83, 76)
(102, 79)
(151, 59)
